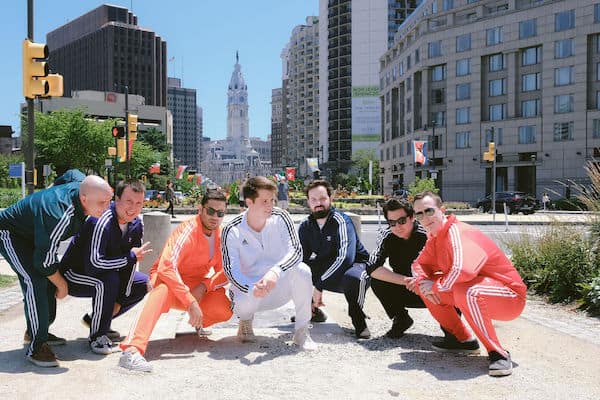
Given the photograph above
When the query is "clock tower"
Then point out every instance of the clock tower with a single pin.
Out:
(237, 107)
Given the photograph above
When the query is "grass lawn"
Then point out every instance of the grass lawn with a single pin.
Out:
(7, 280)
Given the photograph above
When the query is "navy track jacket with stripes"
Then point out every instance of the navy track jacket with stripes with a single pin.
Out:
(46, 218)
(101, 246)
(330, 251)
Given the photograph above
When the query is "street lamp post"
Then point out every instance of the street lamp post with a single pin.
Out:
(433, 169)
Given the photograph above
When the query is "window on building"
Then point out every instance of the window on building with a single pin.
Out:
(463, 67)
(563, 48)
(437, 96)
(497, 62)
(408, 105)
(463, 91)
(409, 83)
(438, 118)
(497, 138)
(527, 28)
(447, 5)
(565, 75)
(531, 82)
(438, 73)
(563, 131)
(598, 71)
(394, 152)
(408, 63)
(598, 100)
(463, 115)
(435, 49)
(497, 87)
(401, 68)
(563, 103)
(408, 148)
(387, 153)
(527, 134)
(417, 56)
(493, 36)
(463, 42)
(531, 108)
(596, 129)
(531, 55)
(463, 140)
(596, 12)
(497, 112)
(564, 20)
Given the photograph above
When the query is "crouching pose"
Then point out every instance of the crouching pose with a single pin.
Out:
(188, 275)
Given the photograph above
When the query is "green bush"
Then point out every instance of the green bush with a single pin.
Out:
(8, 197)
(556, 262)
(573, 204)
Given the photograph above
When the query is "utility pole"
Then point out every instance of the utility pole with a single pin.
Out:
(29, 151)
(128, 161)
(493, 179)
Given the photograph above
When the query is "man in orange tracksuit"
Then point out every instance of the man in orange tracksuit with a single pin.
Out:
(188, 276)
(461, 267)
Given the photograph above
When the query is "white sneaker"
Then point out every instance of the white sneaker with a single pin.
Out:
(245, 332)
(102, 345)
(203, 332)
(303, 340)
(134, 361)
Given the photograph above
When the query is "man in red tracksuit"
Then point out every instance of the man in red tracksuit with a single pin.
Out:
(463, 268)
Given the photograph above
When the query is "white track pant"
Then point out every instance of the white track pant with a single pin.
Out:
(294, 284)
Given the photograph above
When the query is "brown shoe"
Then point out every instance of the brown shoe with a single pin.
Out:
(43, 357)
(53, 340)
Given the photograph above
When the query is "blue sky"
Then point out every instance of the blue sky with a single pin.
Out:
(202, 35)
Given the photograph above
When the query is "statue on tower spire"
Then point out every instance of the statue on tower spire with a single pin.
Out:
(237, 57)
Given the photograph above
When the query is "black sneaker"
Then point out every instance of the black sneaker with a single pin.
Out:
(112, 335)
(53, 340)
(317, 316)
(361, 330)
(399, 326)
(451, 345)
(499, 365)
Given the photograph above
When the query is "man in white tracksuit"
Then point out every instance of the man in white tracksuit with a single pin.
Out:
(262, 260)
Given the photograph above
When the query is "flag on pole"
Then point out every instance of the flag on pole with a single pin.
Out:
(290, 173)
(180, 170)
(420, 152)
(154, 168)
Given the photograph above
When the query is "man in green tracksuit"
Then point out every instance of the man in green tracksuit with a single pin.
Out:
(30, 233)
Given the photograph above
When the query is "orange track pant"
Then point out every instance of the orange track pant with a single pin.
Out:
(480, 300)
(215, 308)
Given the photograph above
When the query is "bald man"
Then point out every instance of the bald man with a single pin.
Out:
(30, 232)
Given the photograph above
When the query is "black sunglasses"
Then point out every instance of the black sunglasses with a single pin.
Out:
(211, 211)
(426, 212)
(399, 221)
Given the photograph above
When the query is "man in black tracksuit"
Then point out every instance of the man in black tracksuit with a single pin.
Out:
(335, 254)
(401, 243)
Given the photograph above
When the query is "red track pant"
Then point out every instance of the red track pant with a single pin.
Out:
(215, 308)
(480, 300)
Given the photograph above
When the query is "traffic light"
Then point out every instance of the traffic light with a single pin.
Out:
(36, 80)
(490, 155)
(121, 150)
(118, 132)
(132, 121)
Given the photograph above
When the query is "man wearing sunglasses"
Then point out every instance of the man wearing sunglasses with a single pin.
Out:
(188, 275)
(262, 259)
(461, 267)
(335, 255)
(400, 244)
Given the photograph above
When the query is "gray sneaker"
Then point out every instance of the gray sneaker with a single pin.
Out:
(499, 365)
(134, 361)
(102, 345)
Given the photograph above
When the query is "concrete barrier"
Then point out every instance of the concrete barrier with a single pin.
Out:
(157, 228)
(356, 221)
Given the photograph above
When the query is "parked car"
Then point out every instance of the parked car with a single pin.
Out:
(515, 202)
(150, 193)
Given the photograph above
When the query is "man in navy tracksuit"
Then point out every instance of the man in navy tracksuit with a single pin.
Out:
(100, 263)
(334, 254)
(30, 233)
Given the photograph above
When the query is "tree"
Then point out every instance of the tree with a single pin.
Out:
(156, 139)
(360, 169)
(422, 185)
(69, 139)
(5, 160)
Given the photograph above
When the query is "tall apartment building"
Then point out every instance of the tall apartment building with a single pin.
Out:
(105, 47)
(276, 128)
(301, 75)
(186, 142)
(353, 35)
(200, 133)
(525, 71)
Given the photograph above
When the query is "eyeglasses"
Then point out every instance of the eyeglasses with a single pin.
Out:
(399, 221)
(426, 212)
(211, 211)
